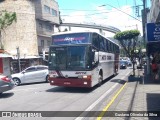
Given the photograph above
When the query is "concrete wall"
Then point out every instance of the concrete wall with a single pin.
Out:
(154, 15)
(40, 11)
(23, 32)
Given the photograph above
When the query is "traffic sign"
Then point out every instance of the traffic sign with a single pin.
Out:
(153, 32)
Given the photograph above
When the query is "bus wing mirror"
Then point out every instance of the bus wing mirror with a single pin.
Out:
(95, 57)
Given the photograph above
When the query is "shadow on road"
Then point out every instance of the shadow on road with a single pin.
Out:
(6, 95)
(153, 105)
(119, 81)
(71, 89)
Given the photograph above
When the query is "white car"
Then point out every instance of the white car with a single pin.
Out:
(31, 75)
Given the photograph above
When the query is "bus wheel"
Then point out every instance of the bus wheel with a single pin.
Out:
(100, 79)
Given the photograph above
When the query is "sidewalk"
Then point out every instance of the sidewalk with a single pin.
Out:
(141, 96)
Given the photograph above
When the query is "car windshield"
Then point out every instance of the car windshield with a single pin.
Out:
(69, 58)
(123, 62)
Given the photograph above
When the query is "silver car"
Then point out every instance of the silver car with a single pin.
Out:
(6, 83)
(31, 75)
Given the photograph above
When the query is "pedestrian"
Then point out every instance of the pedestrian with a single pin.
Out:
(154, 67)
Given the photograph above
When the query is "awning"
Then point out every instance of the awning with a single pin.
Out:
(5, 55)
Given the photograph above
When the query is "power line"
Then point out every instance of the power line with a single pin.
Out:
(122, 12)
(99, 12)
(77, 10)
(118, 3)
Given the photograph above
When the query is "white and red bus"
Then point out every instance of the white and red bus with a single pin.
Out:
(81, 59)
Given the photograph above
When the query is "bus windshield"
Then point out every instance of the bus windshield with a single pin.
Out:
(69, 58)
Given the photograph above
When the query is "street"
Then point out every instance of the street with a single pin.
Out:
(44, 97)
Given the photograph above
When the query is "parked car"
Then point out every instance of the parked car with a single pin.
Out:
(123, 64)
(31, 75)
(129, 62)
(6, 83)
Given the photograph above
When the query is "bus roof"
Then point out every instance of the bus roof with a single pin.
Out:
(70, 32)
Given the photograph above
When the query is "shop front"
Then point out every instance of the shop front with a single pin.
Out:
(5, 66)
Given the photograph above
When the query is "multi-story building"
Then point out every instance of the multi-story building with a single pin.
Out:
(36, 20)
(154, 15)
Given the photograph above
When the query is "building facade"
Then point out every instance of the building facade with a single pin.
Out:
(31, 33)
(35, 24)
(154, 15)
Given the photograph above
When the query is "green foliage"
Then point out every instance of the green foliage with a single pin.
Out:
(129, 41)
(6, 19)
(128, 34)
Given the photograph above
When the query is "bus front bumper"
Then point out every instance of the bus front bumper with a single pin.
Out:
(70, 82)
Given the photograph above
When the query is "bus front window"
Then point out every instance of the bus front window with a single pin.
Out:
(76, 57)
(70, 58)
(57, 58)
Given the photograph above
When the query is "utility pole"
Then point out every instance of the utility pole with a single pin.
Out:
(144, 19)
(18, 58)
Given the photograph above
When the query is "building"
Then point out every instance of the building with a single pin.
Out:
(154, 15)
(36, 20)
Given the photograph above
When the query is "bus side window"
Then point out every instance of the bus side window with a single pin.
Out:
(105, 47)
(111, 47)
(102, 48)
(106, 43)
(95, 40)
(114, 51)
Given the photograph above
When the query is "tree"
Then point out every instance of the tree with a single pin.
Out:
(129, 40)
(6, 19)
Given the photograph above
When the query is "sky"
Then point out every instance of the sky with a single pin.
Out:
(116, 13)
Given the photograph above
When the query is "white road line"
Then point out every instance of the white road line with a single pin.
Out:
(98, 100)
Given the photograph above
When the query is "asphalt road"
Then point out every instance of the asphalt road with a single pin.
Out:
(44, 97)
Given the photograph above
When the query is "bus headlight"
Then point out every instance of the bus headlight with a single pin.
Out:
(88, 77)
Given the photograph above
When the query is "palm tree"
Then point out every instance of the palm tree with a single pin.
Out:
(6, 19)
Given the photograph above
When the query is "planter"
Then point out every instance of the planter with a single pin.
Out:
(133, 78)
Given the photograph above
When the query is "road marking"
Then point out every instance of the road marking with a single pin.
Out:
(100, 99)
(108, 105)
(97, 101)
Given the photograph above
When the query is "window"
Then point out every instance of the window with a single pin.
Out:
(107, 47)
(42, 68)
(48, 27)
(111, 47)
(40, 25)
(54, 12)
(42, 43)
(102, 48)
(95, 40)
(46, 9)
(48, 42)
(31, 69)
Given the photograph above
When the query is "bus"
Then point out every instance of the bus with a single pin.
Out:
(81, 59)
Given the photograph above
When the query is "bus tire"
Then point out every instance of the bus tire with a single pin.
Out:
(100, 79)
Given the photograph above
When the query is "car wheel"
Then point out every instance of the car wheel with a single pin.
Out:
(47, 78)
(16, 81)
